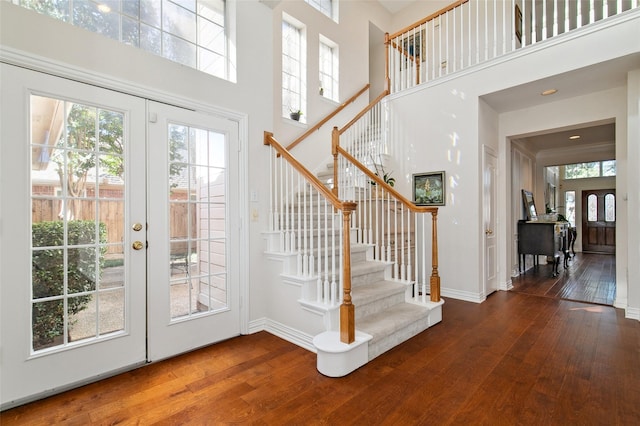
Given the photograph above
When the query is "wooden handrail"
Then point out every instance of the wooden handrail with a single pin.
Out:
(379, 181)
(428, 18)
(364, 111)
(328, 117)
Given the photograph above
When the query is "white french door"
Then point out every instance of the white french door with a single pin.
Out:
(116, 243)
(193, 234)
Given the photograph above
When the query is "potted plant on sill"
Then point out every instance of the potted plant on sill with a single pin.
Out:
(295, 115)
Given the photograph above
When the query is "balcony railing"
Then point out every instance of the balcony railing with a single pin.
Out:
(469, 32)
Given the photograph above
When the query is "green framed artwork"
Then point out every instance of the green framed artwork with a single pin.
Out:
(429, 189)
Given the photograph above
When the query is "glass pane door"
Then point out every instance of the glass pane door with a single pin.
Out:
(73, 287)
(194, 295)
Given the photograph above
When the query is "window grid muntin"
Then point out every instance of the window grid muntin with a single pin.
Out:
(149, 17)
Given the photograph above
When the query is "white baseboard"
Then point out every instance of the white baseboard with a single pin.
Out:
(632, 313)
(467, 296)
(506, 286)
(287, 333)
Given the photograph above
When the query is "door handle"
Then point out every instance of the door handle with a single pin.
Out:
(488, 232)
(137, 245)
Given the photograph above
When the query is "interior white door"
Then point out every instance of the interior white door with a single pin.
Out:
(72, 288)
(489, 203)
(194, 227)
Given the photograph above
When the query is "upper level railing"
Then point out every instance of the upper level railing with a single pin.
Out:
(469, 32)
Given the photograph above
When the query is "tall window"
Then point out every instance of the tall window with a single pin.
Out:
(327, 7)
(292, 68)
(590, 170)
(190, 32)
(329, 70)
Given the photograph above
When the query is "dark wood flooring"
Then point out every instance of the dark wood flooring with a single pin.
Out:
(516, 359)
(590, 278)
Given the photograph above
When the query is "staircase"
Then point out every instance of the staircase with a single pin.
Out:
(387, 310)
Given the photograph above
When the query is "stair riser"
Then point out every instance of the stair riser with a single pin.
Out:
(366, 278)
(356, 257)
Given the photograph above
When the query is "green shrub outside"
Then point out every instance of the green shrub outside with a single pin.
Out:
(48, 273)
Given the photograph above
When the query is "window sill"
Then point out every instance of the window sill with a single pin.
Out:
(294, 122)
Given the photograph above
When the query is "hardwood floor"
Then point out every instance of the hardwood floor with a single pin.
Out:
(514, 359)
(590, 278)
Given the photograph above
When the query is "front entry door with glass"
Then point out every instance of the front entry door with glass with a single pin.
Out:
(80, 256)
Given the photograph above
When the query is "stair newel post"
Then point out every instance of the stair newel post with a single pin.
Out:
(434, 281)
(387, 79)
(347, 309)
(335, 143)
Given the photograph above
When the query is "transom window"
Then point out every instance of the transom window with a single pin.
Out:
(590, 170)
(190, 32)
(329, 69)
(327, 7)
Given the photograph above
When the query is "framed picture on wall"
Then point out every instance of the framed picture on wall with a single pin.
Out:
(429, 189)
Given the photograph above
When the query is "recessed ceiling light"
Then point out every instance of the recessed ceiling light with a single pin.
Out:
(549, 92)
(574, 137)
